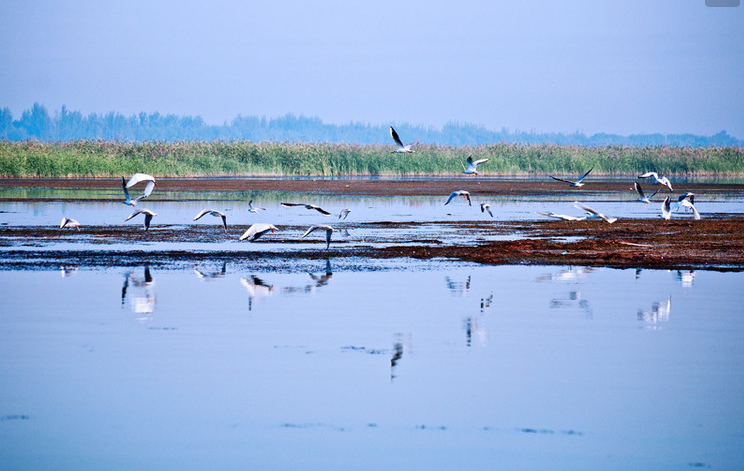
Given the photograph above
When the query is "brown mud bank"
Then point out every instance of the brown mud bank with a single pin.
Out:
(715, 243)
(416, 186)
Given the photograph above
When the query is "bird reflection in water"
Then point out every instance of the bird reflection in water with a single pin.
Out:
(458, 288)
(402, 343)
(485, 304)
(256, 288)
(209, 276)
(573, 300)
(570, 274)
(318, 281)
(686, 277)
(67, 270)
(143, 303)
(658, 314)
(475, 330)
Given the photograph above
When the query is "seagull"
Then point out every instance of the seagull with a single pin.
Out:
(464, 193)
(687, 200)
(666, 208)
(308, 206)
(473, 165)
(401, 148)
(642, 196)
(564, 217)
(486, 207)
(215, 213)
(658, 180)
(127, 200)
(328, 230)
(595, 213)
(141, 177)
(577, 183)
(148, 216)
(257, 230)
(252, 209)
(69, 223)
(344, 213)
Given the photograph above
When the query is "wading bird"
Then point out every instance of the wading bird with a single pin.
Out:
(666, 208)
(657, 179)
(328, 231)
(641, 195)
(66, 222)
(464, 193)
(257, 230)
(486, 207)
(252, 209)
(215, 213)
(472, 167)
(307, 206)
(594, 213)
(401, 148)
(577, 183)
(148, 216)
(564, 217)
(344, 213)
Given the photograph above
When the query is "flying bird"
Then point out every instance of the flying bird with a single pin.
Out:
(308, 206)
(344, 213)
(148, 216)
(66, 222)
(129, 201)
(401, 148)
(257, 230)
(486, 207)
(473, 165)
(328, 230)
(564, 217)
(657, 180)
(642, 196)
(142, 177)
(252, 209)
(687, 200)
(215, 213)
(464, 193)
(576, 183)
(594, 213)
(666, 208)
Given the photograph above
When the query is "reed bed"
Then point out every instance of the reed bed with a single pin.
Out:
(243, 158)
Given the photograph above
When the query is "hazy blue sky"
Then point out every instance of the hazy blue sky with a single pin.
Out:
(621, 66)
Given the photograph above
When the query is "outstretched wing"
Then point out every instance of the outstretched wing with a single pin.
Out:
(202, 213)
(320, 210)
(139, 177)
(395, 137)
(582, 177)
(561, 180)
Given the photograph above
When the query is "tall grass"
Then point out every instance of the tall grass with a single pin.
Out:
(108, 158)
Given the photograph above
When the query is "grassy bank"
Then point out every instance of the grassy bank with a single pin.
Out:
(103, 158)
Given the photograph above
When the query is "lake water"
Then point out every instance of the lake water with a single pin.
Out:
(368, 365)
(355, 363)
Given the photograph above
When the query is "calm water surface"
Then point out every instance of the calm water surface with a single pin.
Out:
(361, 364)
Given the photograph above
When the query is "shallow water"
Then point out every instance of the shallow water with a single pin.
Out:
(362, 364)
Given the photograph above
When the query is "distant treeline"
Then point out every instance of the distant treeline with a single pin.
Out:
(66, 126)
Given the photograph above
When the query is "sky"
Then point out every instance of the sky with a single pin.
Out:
(615, 66)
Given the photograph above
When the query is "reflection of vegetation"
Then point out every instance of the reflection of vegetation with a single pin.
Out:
(106, 158)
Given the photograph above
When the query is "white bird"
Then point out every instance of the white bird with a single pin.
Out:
(486, 207)
(141, 177)
(666, 208)
(66, 222)
(658, 180)
(328, 230)
(148, 216)
(127, 200)
(401, 148)
(593, 212)
(215, 213)
(344, 213)
(257, 230)
(464, 193)
(252, 209)
(642, 196)
(576, 183)
(687, 200)
(308, 206)
(564, 217)
(473, 165)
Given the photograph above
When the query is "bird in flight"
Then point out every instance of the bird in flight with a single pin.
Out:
(344, 213)
(66, 222)
(576, 183)
(472, 167)
(454, 194)
(594, 213)
(253, 209)
(148, 216)
(328, 230)
(215, 213)
(257, 230)
(401, 148)
(642, 196)
(657, 179)
(308, 206)
(486, 207)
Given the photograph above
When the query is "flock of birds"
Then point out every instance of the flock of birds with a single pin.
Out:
(255, 231)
